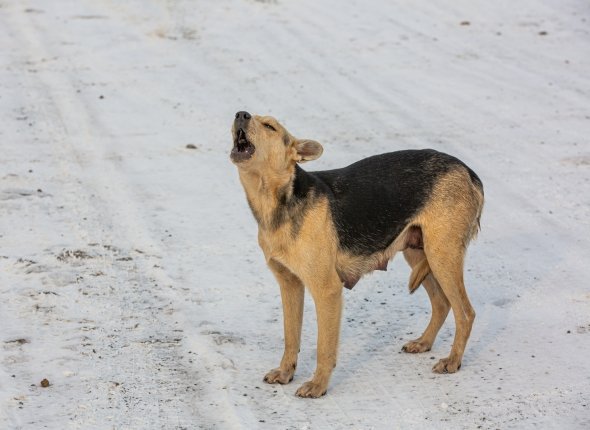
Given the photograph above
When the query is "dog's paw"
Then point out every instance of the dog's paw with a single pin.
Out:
(415, 346)
(311, 389)
(446, 365)
(278, 376)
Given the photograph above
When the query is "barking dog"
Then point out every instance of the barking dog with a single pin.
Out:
(324, 230)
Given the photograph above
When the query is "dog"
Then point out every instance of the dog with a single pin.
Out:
(324, 230)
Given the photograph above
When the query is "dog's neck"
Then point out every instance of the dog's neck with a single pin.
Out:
(268, 194)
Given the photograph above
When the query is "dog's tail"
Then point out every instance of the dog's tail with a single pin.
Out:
(419, 273)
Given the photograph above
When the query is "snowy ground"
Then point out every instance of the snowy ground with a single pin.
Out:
(130, 276)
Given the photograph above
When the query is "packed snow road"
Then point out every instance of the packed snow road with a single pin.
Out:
(130, 276)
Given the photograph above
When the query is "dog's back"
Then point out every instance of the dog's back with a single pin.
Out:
(374, 199)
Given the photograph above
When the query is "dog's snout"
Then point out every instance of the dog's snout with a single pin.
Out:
(242, 120)
(243, 115)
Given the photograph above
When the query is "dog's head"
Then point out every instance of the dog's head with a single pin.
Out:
(261, 143)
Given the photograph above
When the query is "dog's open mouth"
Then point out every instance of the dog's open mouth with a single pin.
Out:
(243, 148)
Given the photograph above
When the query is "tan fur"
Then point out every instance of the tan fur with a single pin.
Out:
(438, 301)
(312, 258)
(419, 272)
(314, 267)
(449, 221)
(308, 258)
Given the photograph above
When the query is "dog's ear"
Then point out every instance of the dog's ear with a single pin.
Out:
(307, 150)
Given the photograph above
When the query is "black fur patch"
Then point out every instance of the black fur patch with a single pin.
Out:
(373, 199)
(294, 203)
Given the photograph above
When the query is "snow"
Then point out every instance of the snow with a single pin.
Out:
(130, 276)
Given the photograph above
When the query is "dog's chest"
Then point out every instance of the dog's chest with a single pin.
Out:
(275, 244)
(307, 242)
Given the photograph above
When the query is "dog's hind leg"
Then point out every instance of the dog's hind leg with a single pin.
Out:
(439, 303)
(445, 257)
(292, 294)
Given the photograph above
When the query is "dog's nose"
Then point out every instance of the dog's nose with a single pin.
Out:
(243, 115)
(242, 120)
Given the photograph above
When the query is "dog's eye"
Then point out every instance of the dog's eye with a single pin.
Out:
(269, 127)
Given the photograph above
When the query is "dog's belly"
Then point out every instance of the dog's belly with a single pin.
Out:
(351, 267)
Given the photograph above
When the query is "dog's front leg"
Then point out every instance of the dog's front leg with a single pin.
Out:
(328, 302)
(292, 292)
